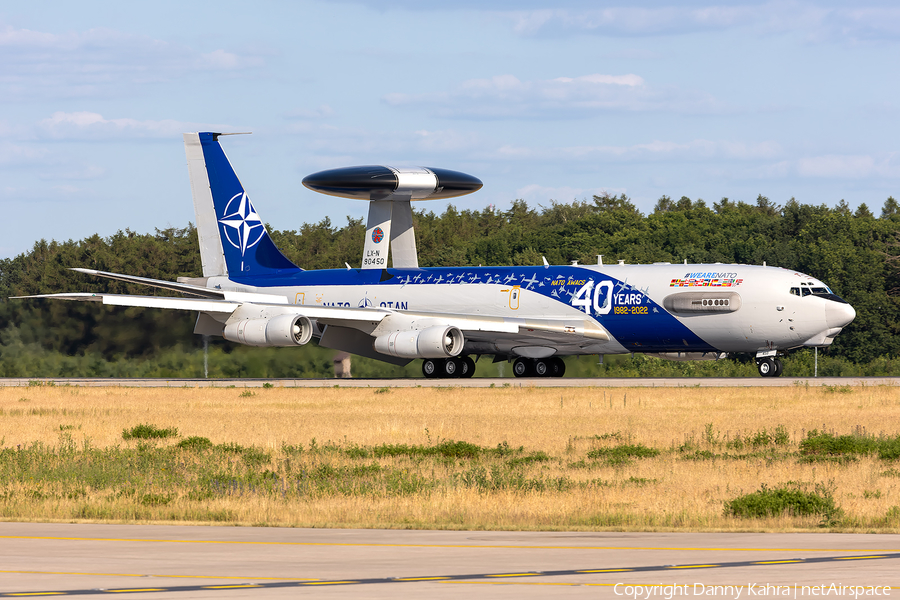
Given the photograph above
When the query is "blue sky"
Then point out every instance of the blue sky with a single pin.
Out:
(543, 101)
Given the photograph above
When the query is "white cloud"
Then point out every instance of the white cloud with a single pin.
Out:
(837, 166)
(93, 126)
(506, 96)
(18, 155)
(535, 193)
(859, 24)
(815, 21)
(823, 167)
(655, 150)
(71, 172)
(628, 21)
(320, 112)
(388, 146)
(96, 61)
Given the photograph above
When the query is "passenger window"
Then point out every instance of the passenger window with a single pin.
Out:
(795, 291)
(806, 291)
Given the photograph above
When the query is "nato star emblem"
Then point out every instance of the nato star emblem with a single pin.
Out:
(242, 226)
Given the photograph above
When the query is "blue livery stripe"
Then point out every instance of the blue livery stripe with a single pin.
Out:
(634, 319)
(248, 249)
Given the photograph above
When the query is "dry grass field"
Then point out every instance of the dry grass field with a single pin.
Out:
(552, 459)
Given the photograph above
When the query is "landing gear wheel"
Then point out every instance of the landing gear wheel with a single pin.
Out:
(779, 367)
(468, 367)
(522, 367)
(766, 367)
(451, 368)
(557, 366)
(430, 368)
(540, 367)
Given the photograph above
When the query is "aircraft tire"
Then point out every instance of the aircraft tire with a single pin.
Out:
(540, 367)
(430, 368)
(766, 367)
(451, 368)
(779, 368)
(468, 367)
(557, 366)
(522, 367)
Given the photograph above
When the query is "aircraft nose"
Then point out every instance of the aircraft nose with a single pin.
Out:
(839, 315)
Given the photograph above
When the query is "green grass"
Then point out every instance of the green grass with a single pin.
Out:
(446, 449)
(821, 445)
(791, 500)
(148, 432)
(160, 475)
(195, 443)
(622, 454)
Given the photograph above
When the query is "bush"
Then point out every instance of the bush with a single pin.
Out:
(783, 500)
(828, 444)
(195, 443)
(148, 432)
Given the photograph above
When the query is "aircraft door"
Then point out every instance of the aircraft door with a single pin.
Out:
(514, 295)
(510, 297)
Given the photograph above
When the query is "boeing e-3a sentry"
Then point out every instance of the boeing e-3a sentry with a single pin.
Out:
(250, 293)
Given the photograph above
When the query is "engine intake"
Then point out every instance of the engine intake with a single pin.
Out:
(283, 330)
(433, 342)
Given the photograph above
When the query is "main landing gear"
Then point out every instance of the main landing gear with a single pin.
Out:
(464, 366)
(769, 367)
(539, 367)
(458, 366)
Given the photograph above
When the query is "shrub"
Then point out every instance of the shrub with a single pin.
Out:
(534, 457)
(195, 443)
(828, 444)
(148, 432)
(777, 501)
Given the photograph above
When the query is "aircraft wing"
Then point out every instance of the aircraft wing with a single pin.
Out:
(371, 321)
(243, 308)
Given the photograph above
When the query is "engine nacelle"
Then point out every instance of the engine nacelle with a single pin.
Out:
(283, 330)
(433, 342)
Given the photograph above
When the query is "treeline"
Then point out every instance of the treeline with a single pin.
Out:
(855, 252)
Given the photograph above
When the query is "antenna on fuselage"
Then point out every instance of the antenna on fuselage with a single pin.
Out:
(389, 191)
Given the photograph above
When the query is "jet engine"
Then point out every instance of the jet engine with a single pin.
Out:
(283, 330)
(433, 342)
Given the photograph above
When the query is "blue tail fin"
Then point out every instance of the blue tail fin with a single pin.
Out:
(247, 248)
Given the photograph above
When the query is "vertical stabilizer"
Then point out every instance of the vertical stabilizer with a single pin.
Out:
(211, 256)
(233, 224)
(378, 235)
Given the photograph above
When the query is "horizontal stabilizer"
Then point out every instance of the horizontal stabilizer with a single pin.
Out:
(184, 288)
(201, 304)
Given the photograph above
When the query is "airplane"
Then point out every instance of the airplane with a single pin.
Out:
(532, 316)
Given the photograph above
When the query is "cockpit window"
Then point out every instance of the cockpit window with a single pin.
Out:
(824, 292)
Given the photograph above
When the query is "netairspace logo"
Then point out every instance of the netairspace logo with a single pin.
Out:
(667, 592)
